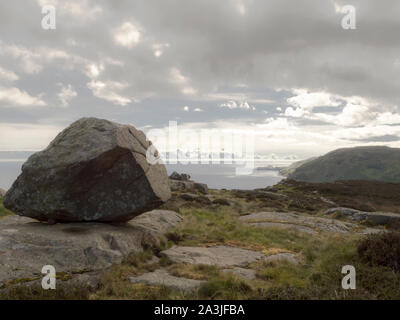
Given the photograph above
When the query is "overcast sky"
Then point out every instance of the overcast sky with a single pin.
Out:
(286, 69)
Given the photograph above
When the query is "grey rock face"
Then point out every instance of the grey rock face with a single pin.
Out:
(380, 218)
(303, 223)
(242, 272)
(95, 170)
(162, 277)
(27, 245)
(179, 176)
(188, 186)
(222, 256)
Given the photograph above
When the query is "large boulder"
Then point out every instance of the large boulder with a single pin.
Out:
(95, 170)
(2, 193)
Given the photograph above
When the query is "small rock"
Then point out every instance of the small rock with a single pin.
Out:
(188, 186)
(284, 256)
(176, 176)
(162, 277)
(2, 193)
(222, 256)
(242, 272)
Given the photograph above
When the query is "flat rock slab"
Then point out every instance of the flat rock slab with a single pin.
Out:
(161, 277)
(222, 256)
(380, 218)
(302, 223)
(284, 256)
(242, 272)
(26, 245)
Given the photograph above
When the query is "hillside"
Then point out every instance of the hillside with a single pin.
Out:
(377, 163)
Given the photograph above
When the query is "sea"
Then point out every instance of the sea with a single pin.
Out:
(216, 176)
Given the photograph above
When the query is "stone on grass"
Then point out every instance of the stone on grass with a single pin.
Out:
(283, 256)
(303, 223)
(2, 193)
(94, 170)
(380, 218)
(249, 274)
(161, 277)
(222, 256)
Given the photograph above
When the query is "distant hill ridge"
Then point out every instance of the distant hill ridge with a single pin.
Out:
(378, 163)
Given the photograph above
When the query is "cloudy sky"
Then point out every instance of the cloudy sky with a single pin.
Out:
(285, 69)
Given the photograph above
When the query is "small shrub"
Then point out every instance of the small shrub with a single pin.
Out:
(381, 249)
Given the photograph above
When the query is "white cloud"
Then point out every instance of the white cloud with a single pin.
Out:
(231, 104)
(109, 91)
(66, 94)
(308, 101)
(15, 97)
(7, 75)
(127, 34)
(18, 137)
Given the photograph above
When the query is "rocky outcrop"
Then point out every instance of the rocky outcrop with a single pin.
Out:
(221, 256)
(161, 277)
(188, 186)
(179, 176)
(74, 248)
(303, 223)
(95, 170)
(380, 218)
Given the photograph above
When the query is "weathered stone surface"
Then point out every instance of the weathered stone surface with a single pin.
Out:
(380, 218)
(188, 186)
(2, 193)
(179, 176)
(95, 170)
(162, 277)
(284, 256)
(242, 272)
(222, 256)
(27, 245)
(303, 223)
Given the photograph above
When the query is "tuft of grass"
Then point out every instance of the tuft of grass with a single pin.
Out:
(225, 286)
(3, 211)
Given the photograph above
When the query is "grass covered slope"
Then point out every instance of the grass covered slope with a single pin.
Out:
(360, 163)
(3, 211)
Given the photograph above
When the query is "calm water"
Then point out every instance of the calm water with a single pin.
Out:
(215, 176)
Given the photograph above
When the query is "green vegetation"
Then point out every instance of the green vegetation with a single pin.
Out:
(360, 163)
(316, 276)
(3, 211)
